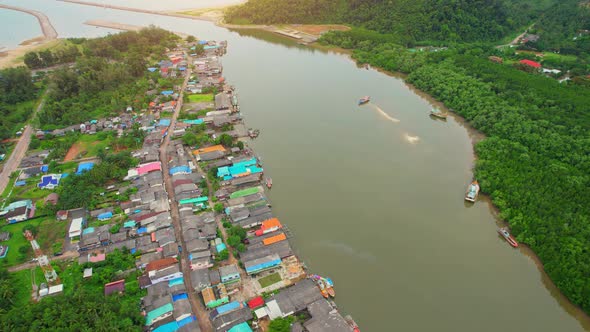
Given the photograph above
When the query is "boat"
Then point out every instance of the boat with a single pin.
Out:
(364, 100)
(352, 323)
(435, 112)
(268, 183)
(506, 235)
(325, 285)
(472, 192)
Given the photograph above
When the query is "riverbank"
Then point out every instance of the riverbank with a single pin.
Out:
(476, 136)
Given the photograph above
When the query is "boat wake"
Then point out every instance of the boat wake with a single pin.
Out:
(411, 139)
(385, 115)
(346, 249)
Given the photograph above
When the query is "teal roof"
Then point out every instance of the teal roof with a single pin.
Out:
(170, 327)
(157, 313)
(194, 200)
(88, 230)
(243, 327)
(129, 224)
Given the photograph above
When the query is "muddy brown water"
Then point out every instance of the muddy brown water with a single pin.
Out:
(376, 205)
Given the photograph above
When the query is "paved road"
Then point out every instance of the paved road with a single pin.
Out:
(197, 307)
(19, 151)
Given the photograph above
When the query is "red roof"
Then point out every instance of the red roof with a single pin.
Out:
(115, 286)
(256, 302)
(149, 167)
(531, 63)
(160, 264)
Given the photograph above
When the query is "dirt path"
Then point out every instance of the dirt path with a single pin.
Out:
(30, 265)
(73, 152)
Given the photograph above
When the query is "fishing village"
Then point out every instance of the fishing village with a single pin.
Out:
(194, 214)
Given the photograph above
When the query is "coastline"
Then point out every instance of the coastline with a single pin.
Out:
(10, 57)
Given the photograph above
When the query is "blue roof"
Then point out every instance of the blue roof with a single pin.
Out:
(168, 327)
(106, 215)
(186, 320)
(180, 169)
(220, 247)
(195, 121)
(174, 282)
(242, 327)
(83, 167)
(228, 307)
(44, 168)
(181, 296)
(152, 69)
(263, 266)
(47, 180)
(164, 122)
(202, 42)
(167, 92)
(88, 230)
(20, 183)
(142, 230)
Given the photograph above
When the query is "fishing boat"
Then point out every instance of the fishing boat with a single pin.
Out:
(364, 100)
(472, 192)
(435, 112)
(268, 183)
(325, 285)
(352, 323)
(506, 235)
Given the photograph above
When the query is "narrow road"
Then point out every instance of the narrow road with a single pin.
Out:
(197, 307)
(246, 293)
(48, 30)
(19, 150)
(30, 265)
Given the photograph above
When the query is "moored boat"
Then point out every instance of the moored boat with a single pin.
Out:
(364, 100)
(506, 235)
(352, 323)
(472, 192)
(438, 114)
(268, 183)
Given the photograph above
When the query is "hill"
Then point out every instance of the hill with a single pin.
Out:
(414, 20)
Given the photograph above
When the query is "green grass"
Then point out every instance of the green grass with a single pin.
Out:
(269, 280)
(50, 231)
(90, 145)
(561, 57)
(199, 98)
(23, 284)
(17, 240)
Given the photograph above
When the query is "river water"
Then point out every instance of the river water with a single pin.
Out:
(372, 194)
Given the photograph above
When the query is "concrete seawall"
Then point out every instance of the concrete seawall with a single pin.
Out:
(48, 30)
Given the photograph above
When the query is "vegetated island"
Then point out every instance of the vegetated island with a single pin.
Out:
(530, 97)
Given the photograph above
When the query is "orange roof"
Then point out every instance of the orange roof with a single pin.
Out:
(271, 223)
(208, 295)
(160, 264)
(218, 147)
(274, 239)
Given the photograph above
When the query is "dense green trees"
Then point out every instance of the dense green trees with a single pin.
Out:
(109, 76)
(17, 92)
(83, 305)
(410, 20)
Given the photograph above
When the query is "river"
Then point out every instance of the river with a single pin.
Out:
(374, 194)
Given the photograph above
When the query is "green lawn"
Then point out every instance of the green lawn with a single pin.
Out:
(17, 240)
(50, 231)
(269, 280)
(199, 98)
(90, 144)
(23, 284)
(561, 57)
